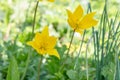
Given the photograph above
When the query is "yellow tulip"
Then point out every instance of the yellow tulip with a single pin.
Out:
(79, 22)
(44, 44)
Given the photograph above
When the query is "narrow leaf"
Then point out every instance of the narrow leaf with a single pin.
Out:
(13, 73)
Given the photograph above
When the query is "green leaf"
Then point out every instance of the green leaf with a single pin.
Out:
(13, 73)
(72, 74)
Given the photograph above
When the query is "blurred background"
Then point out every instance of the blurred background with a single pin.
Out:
(16, 20)
(16, 16)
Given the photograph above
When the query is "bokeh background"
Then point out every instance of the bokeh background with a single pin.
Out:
(16, 20)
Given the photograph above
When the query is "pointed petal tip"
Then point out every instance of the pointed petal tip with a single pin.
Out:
(68, 12)
(29, 43)
(54, 52)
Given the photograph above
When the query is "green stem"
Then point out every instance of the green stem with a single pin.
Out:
(63, 63)
(79, 50)
(86, 56)
(38, 77)
(34, 19)
(29, 55)
(71, 42)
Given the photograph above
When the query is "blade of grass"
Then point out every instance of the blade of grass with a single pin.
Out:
(98, 62)
(86, 57)
(93, 33)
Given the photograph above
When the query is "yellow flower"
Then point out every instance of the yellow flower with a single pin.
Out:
(44, 44)
(47, 0)
(79, 22)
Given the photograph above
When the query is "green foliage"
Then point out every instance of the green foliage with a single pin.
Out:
(13, 73)
(72, 74)
(109, 70)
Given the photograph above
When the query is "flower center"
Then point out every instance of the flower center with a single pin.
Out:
(42, 49)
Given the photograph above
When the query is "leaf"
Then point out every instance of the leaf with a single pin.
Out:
(13, 73)
(72, 74)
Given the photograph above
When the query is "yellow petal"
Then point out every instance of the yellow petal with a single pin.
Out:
(52, 41)
(71, 23)
(33, 44)
(37, 37)
(88, 21)
(47, 0)
(78, 13)
(71, 16)
(69, 13)
(54, 53)
(36, 47)
(45, 32)
(51, 0)
(80, 31)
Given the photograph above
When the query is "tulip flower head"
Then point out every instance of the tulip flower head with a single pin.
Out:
(79, 22)
(44, 44)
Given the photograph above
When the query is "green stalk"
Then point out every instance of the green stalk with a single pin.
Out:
(71, 42)
(117, 63)
(98, 62)
(114, 37)
(67, 51)
(87, 73)
(93, 32)
(38, 78)
(76, 61)
(29, 55)
(108, 39)
(34, 19)
(103, 38)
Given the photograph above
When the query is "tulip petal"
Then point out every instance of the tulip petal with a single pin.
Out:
(45, 31)
(78, 13)
(33, 44)
(80, 31)
(88, 21)
(71, 23)
(51, 0)
(52, 41)
(54, 53)
(37, 36)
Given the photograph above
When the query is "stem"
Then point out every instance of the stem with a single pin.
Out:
(86, 56)
(38, 78)
(34, 19)
(67, 51)
(71, 42)
(79, 50)
(29, 55)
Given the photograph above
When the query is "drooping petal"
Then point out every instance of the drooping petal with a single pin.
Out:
(54, 53)
(88, 21)
(78, 13)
